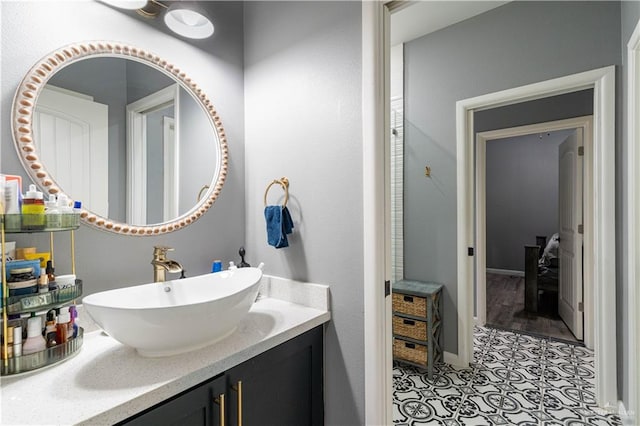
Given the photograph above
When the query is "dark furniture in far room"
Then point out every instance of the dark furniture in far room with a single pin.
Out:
(538, 280)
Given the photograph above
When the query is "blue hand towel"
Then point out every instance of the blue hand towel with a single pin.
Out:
(279, 224)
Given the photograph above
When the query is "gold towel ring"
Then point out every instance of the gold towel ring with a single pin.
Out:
(284, 183)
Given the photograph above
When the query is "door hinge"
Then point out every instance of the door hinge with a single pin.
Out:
(581, 229)
(470, 251)
(387, 288)
(580, 306)
(581, 150)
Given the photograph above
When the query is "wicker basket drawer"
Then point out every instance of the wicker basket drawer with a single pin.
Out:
(410, 328)
(410, 351)
(410, 305)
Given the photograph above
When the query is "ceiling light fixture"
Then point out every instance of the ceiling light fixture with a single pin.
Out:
(188, 22)
(184, 19)
(126, 4)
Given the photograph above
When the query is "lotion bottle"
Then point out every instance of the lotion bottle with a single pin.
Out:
(66, 211)
(35, 342)
(52, 213)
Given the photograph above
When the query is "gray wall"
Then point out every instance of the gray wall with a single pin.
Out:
(630, 16)
(303, 114)
(197, 151)
(552, 108)
(513, 45)
(31, 30)
(521, 195)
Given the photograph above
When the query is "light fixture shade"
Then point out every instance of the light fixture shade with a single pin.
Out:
(183, 20)
(125, 4)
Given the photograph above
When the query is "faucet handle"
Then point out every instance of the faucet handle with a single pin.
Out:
(161, 250)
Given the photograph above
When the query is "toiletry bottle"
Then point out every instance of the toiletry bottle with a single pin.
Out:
(9, 339)
(73, 327)
(52, 213)
(77, 209)
(51, 276)
(43, 283)
(50, 334)
(17, 341)
(35, 342)
(216, 266)
(33, 209)
(12, 205)
(66, 211)
(232, 265)
(62, 327)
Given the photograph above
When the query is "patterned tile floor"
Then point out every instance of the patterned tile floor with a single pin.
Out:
(515, 379)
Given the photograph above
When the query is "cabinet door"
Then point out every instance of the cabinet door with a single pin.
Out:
(280, 387)
(194, 407)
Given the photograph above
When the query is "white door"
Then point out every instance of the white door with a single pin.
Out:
(71, 133)
(570, 222)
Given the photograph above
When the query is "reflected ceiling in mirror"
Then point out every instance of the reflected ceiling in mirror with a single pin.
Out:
(125, 132)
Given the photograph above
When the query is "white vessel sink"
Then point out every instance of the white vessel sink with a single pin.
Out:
(162, 319)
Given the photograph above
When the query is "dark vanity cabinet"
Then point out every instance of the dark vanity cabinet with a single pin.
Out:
(282, 386)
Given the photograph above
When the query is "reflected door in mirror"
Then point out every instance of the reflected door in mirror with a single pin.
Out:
(71, 133)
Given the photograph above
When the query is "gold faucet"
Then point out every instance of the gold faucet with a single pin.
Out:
(161, 264)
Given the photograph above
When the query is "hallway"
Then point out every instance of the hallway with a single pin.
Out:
(515, 380)
(505, 310)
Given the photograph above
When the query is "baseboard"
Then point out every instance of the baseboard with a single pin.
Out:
(452, 359)
(626, 417)
(505, 272)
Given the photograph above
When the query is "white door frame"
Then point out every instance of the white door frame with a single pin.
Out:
(376, 217)
(136, 152)
(603, 83)
(633, 182)
(586, 124)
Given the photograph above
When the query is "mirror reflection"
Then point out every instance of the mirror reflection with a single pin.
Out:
(126, 139)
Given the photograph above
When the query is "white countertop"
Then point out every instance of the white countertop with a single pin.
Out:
(107, 382)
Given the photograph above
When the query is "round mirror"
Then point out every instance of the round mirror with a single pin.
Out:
(124, 132)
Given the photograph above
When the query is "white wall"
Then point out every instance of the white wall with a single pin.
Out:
(303, 121)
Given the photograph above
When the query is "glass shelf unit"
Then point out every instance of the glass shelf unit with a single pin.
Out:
(37, 302)
(43, 301)
(13, 224)
(50, 356)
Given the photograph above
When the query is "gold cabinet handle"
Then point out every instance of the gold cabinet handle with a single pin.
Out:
(220, 401)
(238, 388)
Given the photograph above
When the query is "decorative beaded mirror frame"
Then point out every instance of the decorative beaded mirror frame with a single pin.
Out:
(22, 114)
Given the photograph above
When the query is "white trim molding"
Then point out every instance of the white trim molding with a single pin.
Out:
(584, 123)
(633, 200)
(603, 83)
(376, 248)
(137, 149)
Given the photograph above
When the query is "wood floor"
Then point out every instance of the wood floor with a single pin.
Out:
(505, 310)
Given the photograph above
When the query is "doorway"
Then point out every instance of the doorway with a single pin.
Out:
(529, 197)
(599, 215)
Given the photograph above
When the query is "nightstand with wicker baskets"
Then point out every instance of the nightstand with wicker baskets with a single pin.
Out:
(417, 323)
